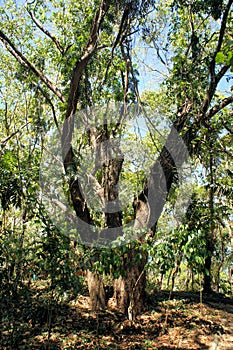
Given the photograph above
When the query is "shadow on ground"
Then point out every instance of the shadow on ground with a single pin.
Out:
(33, 321)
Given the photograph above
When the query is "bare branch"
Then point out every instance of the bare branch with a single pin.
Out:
(50, 103)
(218, 107)
(46, 32)
(99, 190)
(118, 40)
(24, 61)
(157, 48)
(221, 73)
(3, 142)
(210, 93)
(128, 66)
(62, 206)
(228, 128)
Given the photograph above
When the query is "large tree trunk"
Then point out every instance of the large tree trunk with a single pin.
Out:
(210, 236)
(130, 288)
(230, 230)
(108, 158)
(207, 286)
(96, 291)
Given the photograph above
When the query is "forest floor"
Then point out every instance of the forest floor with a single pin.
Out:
(182, 322)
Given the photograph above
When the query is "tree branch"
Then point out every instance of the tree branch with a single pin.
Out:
(50, 103)
(3, 142)
(221, 73)
(46, 32)
(118, 40)
(228, 128)
(165, 169)
(24, 62)
(78, 200)
(215, 78)
(86, 56)
(223, 28)
(218, 107)
(80, 66)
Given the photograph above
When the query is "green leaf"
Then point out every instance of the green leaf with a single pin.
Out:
(220, 58)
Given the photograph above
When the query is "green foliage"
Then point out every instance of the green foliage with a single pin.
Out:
(212, 7)
(11, 190)
(185, 35)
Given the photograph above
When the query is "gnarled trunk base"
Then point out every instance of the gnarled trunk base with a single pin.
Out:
(130, 289)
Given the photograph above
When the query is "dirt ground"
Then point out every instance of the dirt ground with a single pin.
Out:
(182, 323)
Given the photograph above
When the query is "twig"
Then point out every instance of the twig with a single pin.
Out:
(45, 31)
(24, 62)
(3, 143)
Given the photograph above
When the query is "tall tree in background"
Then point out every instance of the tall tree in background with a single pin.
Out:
(79, 56)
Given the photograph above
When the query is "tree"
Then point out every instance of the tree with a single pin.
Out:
(88, 49)
(192, 83)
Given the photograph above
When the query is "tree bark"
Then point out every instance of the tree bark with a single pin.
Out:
(96, 291)
(210, 235)
(207, 286)
(130, 288)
